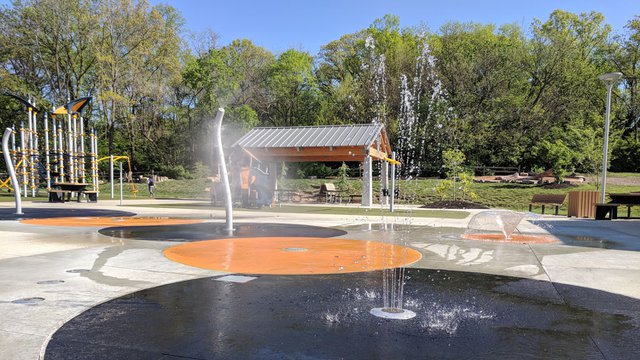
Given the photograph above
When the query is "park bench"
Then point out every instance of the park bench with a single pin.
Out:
(547, 199)
(329, 194)
(58, 195)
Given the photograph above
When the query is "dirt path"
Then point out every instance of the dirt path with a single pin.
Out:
(619, 180)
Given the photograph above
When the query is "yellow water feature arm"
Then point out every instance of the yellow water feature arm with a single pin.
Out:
(134, 190)
(6, 183)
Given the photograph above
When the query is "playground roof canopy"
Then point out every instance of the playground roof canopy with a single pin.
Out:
(317, 143)
(75, 106)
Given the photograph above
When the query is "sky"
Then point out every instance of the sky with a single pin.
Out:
(308, 24)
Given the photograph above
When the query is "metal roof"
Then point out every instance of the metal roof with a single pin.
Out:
(311, 136)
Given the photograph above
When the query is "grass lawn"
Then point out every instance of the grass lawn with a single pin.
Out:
(493, 195)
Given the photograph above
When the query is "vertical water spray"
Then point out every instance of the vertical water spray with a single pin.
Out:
(223, 170)
(407, 121)
(392, 277)
(423, 113)
(377, 64)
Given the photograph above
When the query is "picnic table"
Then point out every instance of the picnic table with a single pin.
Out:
(61, 189)
(628, 199)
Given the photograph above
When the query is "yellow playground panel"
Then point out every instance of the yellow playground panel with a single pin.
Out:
(134, 190)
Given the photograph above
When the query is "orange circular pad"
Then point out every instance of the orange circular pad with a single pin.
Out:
(108, 221)
(518, 239)
(291, 255)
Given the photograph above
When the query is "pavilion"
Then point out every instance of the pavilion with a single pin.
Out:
(362, 143)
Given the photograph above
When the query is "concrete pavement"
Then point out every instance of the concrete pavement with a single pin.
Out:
(50, 274)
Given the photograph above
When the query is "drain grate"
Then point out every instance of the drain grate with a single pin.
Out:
(294, 249)
(241, 279)
(28, 301)
(50, 282)
(78, 271)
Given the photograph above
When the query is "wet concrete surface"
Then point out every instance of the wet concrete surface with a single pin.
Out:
(205, 231)
(460, 315)
(585, 274)
(42, 213)
(407, 233)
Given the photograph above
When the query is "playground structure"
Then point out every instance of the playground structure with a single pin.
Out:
(67, 160)
(112, 160)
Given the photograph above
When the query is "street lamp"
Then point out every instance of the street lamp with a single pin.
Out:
(609, 79)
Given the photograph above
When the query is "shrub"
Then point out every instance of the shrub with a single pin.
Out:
(177, 172)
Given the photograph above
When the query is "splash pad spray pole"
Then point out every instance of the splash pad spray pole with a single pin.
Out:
(12, 172)
(393, 182)
(223, 170)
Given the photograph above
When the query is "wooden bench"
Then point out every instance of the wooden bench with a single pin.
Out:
(547, 199)
(607, 211)
(92, 196)
(326, 191)
(58, 195)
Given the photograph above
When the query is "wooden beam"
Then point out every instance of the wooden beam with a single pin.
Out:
(377, 154)
(340, 158)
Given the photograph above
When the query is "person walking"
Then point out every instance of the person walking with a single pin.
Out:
(152, 187)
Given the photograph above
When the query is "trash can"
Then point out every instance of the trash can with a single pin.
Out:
(582, 204)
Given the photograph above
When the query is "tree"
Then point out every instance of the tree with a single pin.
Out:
(136, 63)
(453, 160)
(293, 91)
(50, 46)
(624, 56)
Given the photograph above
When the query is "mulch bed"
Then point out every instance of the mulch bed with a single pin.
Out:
(459, 204)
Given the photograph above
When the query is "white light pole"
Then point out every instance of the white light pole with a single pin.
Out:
(609, 79)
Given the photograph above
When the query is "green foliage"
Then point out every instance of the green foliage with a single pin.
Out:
(557, 157)
(342, 183)
(466, 184)
(177, 172)
(458, 183)
(502, 98)
(453, 160)
(242, 116)
(320, 170)
(444, 189)
(627, 156)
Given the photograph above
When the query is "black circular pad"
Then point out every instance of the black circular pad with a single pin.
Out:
(205, 231)
(459, 316)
